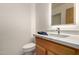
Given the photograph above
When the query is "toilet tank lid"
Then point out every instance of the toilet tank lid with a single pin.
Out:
(29, 45)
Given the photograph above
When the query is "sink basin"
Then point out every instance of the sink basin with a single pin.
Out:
(56, 35)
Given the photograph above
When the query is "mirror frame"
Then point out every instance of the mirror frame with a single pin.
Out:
(62, 24)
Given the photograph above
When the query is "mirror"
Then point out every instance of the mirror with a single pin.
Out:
(62, 13)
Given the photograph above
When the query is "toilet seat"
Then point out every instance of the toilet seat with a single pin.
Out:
(29, 45)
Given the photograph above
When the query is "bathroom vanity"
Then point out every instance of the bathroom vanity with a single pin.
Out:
(49, 45)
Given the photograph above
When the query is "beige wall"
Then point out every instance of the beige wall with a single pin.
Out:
(42, 16)
(15, 27)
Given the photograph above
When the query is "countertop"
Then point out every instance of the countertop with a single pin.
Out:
(72, 40)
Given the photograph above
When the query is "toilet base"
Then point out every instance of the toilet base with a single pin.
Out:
(29, 53)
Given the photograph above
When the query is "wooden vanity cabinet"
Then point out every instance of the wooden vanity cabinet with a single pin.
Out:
(40, 50)
(50, 53)
(46, 47)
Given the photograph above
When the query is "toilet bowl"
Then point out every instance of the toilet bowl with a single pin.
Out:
(28, 49)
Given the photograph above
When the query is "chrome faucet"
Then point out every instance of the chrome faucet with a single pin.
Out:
(58, 30)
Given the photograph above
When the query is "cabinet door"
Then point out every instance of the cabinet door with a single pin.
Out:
(70, 16)
(50, 53)
(40, 50)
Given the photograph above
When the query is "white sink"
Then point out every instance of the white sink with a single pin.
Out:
(56, 35)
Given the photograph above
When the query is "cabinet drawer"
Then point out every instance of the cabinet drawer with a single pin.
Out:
(40, 50)
(55, 47)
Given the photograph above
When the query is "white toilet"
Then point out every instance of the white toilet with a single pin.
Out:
(28, 49)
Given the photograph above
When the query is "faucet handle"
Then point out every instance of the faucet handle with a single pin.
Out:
(58, 29)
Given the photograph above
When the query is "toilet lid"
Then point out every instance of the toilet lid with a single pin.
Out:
(29, 45)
